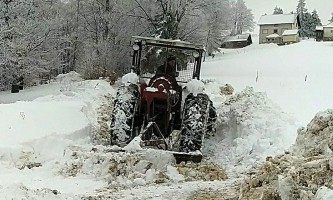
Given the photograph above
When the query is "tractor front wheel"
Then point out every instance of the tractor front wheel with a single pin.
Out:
(198, 118)
(122, 127)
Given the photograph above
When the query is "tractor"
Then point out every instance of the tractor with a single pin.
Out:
(158, 106)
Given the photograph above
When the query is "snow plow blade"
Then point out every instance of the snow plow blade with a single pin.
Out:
(186, 157)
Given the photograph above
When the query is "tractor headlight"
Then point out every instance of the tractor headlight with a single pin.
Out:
(195, 54)
(136, 47)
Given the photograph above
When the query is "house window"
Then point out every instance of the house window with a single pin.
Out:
(331, 31)
(275, 31)
(264, 31)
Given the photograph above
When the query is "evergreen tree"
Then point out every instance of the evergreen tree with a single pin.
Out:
(277, 11)
(315, 21)
(301, 12)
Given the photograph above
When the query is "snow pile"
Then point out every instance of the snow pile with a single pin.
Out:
(317, 137)
(305, 174)
(226, 89)
(201, 171)
(195, 87)
(134, 145)
(130, 78)
(66, 80)
(249, 128)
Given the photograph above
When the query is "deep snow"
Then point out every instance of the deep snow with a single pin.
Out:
(45, 131)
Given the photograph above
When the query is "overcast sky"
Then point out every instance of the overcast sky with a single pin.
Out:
(259, 7)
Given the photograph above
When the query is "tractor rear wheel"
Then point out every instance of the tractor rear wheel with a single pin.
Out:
(123, 118)
(199, 117)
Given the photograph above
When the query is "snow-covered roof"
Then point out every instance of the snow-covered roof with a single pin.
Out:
(277, 19)
(290, 32)
(274, 35)
(238, 38)
(319, 28)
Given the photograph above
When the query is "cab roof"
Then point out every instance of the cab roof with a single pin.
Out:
(168, 43)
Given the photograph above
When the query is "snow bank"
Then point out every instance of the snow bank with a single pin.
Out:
(303, 173)
(249, 128)
(317, 137)
(24, 122)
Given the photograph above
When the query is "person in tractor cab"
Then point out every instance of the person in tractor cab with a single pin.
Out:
(169, 67)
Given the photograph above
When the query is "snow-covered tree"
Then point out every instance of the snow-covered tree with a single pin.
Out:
(315, 21)
(301, 11)
(241, 17)
(277, 11)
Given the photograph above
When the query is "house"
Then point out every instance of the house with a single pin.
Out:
(272, 27)
(237, 41)
(324, 33)
(328, 32)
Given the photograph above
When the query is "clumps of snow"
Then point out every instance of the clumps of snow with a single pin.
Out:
(289, 177)
(324, 193)
(20, 191)
(304, 173)
(206, 171)
(226, 89)
(195, 87)
(173, 174)
(130, 78)
(317, 137)
(101, 130)
(134, 145)
(249, 128)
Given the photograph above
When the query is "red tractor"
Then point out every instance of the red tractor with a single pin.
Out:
(157, 106)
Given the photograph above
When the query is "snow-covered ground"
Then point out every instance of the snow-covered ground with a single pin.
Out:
(46, 132)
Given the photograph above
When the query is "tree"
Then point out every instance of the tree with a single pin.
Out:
(301, 12)
(241, 17)
(277, 11)
(315, 21)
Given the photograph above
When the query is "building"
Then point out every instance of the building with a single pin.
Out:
(272, 27)
(319, 33)
(328, 32)
(290, 36)
(324, 33)
(237, 41)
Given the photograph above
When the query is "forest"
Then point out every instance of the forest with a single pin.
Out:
(40, 39)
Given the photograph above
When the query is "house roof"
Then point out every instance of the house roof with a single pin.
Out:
(274, 35)
(319, 28)
(237, 38)
(290, 32)
(277, 19)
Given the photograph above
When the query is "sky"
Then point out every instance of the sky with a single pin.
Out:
(259, 7)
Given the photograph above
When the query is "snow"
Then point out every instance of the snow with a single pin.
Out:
(195, 86)
(130, 78)
(46, 148)
(274, 35)
(324, 193)
(277, 19)
(290, 32)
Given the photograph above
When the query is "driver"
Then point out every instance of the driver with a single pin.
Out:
(169, 67)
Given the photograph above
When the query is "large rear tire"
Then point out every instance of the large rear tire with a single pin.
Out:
(199, 117)
(122, 127)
